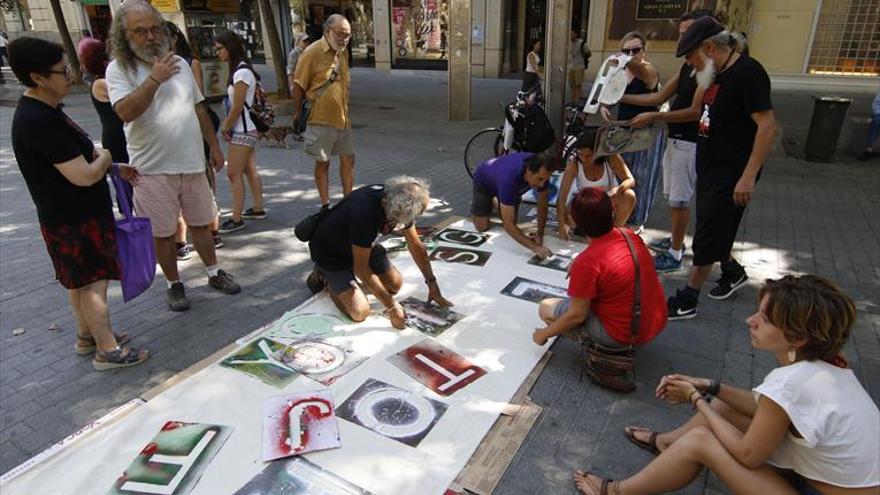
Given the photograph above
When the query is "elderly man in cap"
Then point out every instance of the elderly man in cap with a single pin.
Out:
(734, 135)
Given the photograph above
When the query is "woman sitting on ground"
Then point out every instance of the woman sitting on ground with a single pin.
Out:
(601, 288)
(608, 173)
(809, 428)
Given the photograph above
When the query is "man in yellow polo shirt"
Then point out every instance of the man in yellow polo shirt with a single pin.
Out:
(322, 78)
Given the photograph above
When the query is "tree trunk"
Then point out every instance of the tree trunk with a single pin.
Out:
(72, 60)
(278, 55)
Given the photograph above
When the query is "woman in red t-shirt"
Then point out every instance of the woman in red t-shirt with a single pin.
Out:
(601, 289)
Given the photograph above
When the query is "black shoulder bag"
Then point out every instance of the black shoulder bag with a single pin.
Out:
(614, 368)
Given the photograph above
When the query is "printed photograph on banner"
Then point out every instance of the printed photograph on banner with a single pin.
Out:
(460, 255)
(322, 360)
(464, 237)
(428, 318)
(559, 262)
(532, 215)
(436, 367)
(173, 461)
(293, 326)
(530, 290)
(392, 412)
(259, 360)
(298, 423)
(298, 476)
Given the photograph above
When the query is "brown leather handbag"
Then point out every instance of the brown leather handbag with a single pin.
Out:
(614, 368)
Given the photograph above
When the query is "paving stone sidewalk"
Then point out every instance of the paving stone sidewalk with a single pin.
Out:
(806, 217)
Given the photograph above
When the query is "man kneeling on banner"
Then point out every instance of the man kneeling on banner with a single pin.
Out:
(344, 248)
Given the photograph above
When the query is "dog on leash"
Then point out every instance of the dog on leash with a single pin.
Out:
(276, 137)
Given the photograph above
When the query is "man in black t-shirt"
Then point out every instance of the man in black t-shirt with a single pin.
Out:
(735, 132)
(344, 250)
(680, 155)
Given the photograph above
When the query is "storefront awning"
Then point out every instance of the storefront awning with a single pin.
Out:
(93, 2)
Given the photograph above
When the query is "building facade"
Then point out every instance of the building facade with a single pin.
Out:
(836, 41)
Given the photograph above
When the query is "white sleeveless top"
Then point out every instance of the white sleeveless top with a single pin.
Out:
(837, 419)
(529, 66)
(606, 182)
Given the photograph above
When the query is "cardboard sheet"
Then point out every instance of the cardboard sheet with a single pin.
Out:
(495, 335)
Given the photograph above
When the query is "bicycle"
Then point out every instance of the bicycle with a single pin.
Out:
(496, 141)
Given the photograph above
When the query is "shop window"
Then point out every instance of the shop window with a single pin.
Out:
(847, 39)
(419, 33)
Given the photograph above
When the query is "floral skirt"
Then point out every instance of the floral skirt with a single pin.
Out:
(83, 253)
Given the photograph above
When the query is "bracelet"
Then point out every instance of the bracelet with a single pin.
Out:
(691, 395)
(430, 280)
(714, 388)
(158, 82)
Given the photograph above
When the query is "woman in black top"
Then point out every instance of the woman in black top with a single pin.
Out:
(645, 165)
(66, 182)
(92, 54)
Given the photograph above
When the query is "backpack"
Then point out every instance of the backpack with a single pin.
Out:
(262, 113)
(533, 129)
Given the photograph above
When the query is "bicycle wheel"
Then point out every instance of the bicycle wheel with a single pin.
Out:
(484, 145)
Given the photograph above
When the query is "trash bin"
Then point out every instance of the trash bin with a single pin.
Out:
(828, 115)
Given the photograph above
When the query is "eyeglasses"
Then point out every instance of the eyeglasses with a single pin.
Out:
(631, 51)
(65, 72)
(141, 32)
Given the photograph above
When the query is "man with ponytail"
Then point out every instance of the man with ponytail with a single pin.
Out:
(734, 135)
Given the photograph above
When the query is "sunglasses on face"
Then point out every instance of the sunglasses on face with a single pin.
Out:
(65, 71)
(631, 51)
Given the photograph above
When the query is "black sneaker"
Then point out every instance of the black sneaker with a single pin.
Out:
(252, 214)
(184, 253)
(231, 226)
(315, 282)
(729, 283)
(218, 241)
(681, 307)
(175, 296)
(224, 283)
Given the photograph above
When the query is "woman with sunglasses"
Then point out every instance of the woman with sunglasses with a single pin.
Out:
(645, 165)
(65, 175)
(239, 130)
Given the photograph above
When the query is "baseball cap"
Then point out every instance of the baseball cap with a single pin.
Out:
(701, 30)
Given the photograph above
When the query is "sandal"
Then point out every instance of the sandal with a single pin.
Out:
(90, 346)
(603, 488)
(650, 445)
(121, 357)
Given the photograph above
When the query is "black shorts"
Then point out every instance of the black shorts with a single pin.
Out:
(718, 219)
(481, 204)
(339, 281)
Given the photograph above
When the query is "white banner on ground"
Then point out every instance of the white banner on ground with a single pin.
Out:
(495, 334)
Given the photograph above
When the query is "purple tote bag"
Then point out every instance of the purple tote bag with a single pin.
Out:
(134, 239)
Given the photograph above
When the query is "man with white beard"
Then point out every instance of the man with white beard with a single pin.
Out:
(735, 132)
(155, 94)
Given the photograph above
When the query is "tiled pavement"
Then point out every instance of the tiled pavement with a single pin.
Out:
(806, 217)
